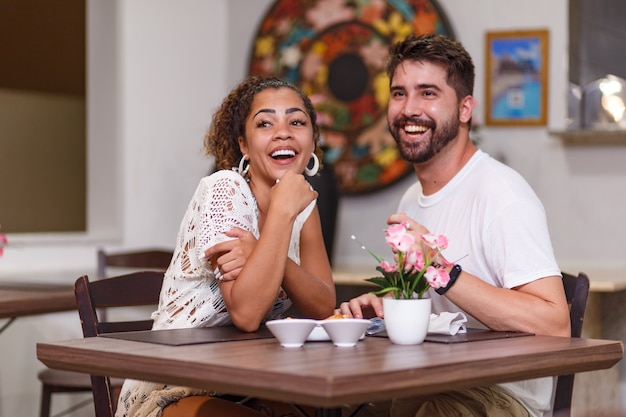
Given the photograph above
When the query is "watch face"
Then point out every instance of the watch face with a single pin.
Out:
(336, 52)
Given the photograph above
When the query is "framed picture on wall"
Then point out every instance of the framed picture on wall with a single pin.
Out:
(516, 78)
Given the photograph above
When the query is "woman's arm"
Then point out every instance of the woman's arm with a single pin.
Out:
(251, 295)
(310, 285)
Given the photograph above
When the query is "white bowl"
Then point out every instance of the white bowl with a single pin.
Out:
(318, 334)
(291, 332)
(345, 332)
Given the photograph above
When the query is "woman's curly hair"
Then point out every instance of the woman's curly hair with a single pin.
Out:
(229, 120)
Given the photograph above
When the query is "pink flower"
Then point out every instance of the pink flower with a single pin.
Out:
(439, 259)
(435, 241)
(398, 238)
(387, 267)
(417, 267)
(414, 260)
(436, 277)
(433, 245)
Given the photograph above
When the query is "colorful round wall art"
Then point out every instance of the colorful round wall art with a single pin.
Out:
(336, 51)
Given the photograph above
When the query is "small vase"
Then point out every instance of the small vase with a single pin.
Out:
(406, 321)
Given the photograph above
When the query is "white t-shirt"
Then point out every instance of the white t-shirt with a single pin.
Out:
(497, 230)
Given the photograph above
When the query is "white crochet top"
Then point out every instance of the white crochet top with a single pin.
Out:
(190, 296)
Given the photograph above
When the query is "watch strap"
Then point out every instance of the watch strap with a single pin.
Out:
(454, 275)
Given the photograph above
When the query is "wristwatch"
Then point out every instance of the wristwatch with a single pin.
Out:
(454, 274)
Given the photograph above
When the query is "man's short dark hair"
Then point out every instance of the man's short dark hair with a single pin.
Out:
(436, 49)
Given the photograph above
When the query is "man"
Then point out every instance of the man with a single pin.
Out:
(507, 277)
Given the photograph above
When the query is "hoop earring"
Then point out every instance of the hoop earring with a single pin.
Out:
(316, 166)
(243, 171)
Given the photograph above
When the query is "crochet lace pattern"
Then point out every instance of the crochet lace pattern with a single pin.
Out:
(190, 296)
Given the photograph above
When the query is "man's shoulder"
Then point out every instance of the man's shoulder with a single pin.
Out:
(492, 170)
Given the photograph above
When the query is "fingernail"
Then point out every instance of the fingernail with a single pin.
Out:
(218, 274)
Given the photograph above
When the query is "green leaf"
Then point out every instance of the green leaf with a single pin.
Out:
(380, 281)
(385, 291)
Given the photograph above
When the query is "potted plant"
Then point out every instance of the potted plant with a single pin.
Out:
(417, 266)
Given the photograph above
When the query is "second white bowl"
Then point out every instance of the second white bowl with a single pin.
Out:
(345, 332)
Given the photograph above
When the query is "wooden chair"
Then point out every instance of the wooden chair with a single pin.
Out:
(576, 292)
(144, 259)
(56, 381)
(135, 289)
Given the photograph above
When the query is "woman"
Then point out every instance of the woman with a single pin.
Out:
(250, 242)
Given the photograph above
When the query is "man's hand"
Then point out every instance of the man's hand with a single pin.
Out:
(414, 227)
(368, 303)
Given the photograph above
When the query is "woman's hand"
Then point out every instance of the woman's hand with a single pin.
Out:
(292, 193)
(229, 257)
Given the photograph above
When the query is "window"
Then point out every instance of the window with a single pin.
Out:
(43, 116)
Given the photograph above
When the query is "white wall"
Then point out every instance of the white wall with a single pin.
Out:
(157, 69)
(173, 67)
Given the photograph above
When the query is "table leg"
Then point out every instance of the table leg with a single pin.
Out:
(328, 412)
(7, 324)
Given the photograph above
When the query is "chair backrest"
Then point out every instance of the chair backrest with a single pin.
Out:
(123, 262)
(137, 259)
(140, 288)
(576, 292)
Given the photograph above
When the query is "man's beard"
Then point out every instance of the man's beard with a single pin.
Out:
(421, 151)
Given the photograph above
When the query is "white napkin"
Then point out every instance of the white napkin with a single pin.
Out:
(447, 323)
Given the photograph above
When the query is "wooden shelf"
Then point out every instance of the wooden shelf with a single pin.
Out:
(591, 137)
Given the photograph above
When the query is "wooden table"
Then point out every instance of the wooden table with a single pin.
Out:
(27, 299)
(18, 299)
(327, 377)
